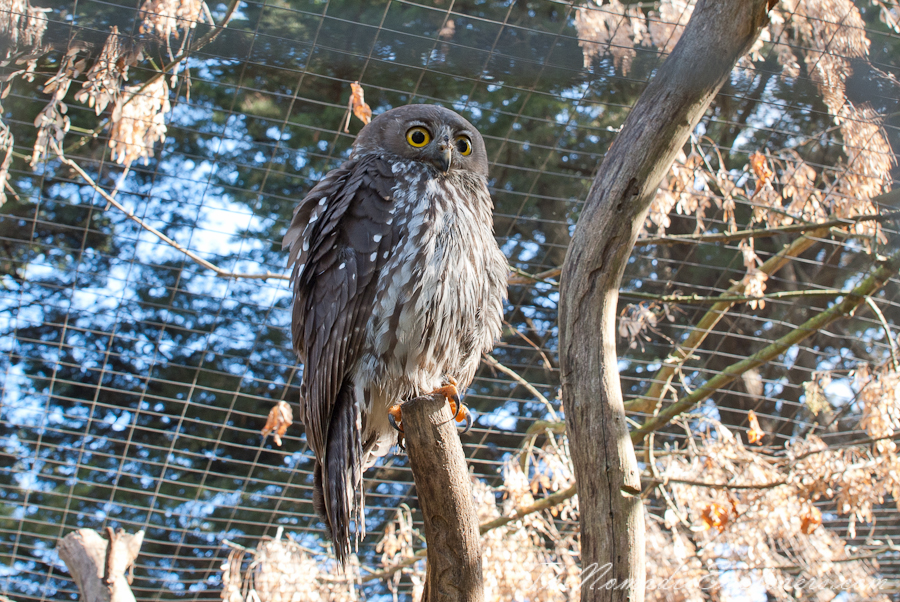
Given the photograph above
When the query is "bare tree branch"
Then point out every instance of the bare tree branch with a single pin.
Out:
(700, 300)
(490, 361)
(765, 232)
(98, 565)
(882, 273)
(650, 400)
(130, 214)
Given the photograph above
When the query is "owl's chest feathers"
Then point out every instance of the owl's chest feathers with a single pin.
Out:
(426, 316)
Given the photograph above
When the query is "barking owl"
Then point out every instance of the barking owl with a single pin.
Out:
(398, 287)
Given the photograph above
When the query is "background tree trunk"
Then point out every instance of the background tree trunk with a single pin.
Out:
(612, 522)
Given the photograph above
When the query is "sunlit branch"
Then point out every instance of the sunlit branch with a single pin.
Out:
(649, 401)
(542, 426)
(885, 270)
(700, 300)
(764, 232)
(542, 504)
(523, 277)
(490, 361)
(130, 214)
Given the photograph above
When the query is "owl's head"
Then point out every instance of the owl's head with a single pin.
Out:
(426, 133)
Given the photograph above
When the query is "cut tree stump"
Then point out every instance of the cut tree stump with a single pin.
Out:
(438, 465)
(98, 565)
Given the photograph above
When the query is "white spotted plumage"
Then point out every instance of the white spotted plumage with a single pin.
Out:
(398, 285)
(429, 270)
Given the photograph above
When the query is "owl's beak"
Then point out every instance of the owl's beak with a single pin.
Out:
(442, 162)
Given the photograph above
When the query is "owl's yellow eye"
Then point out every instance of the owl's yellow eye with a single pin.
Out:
(464, 146)
(418, 137)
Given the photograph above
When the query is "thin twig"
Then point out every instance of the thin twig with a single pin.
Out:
(877, 552)
(887, 331)
(851, 301)
(523, 277)
(534, 345)
(700, 300)
(663, 481)
(866, 441)
(494, 363)
(130, 214)
(237, 546)
(762, 232)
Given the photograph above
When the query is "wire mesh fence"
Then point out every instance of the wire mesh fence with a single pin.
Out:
(137, 374)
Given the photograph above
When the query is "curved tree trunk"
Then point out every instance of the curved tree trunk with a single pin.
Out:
(612, 522)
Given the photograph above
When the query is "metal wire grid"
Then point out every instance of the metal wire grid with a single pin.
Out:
(252, 487)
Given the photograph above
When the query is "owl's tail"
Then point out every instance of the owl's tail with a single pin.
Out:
(337, 480)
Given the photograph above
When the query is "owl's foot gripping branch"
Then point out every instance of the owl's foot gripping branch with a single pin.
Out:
(461, 413)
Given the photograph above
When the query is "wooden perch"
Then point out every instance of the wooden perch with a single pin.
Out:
(98, 566)
(438, 465)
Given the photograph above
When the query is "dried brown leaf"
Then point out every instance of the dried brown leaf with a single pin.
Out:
(104, 81)
(447, 31)
(810, 520)
(761, 170)
(755, 434)
(139, 121)
(358, 104)
(715, 515)
(280, 418)
(169, 18)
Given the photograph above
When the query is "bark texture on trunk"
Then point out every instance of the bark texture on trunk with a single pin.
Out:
(608, 481)
(445, 497)
(98, 566)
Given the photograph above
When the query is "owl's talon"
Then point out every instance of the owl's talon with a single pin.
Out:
(468, 418)
(460, 412)
(395, 418)
(456, 407)
(451, 393)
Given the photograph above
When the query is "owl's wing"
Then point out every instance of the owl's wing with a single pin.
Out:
(339, 239)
